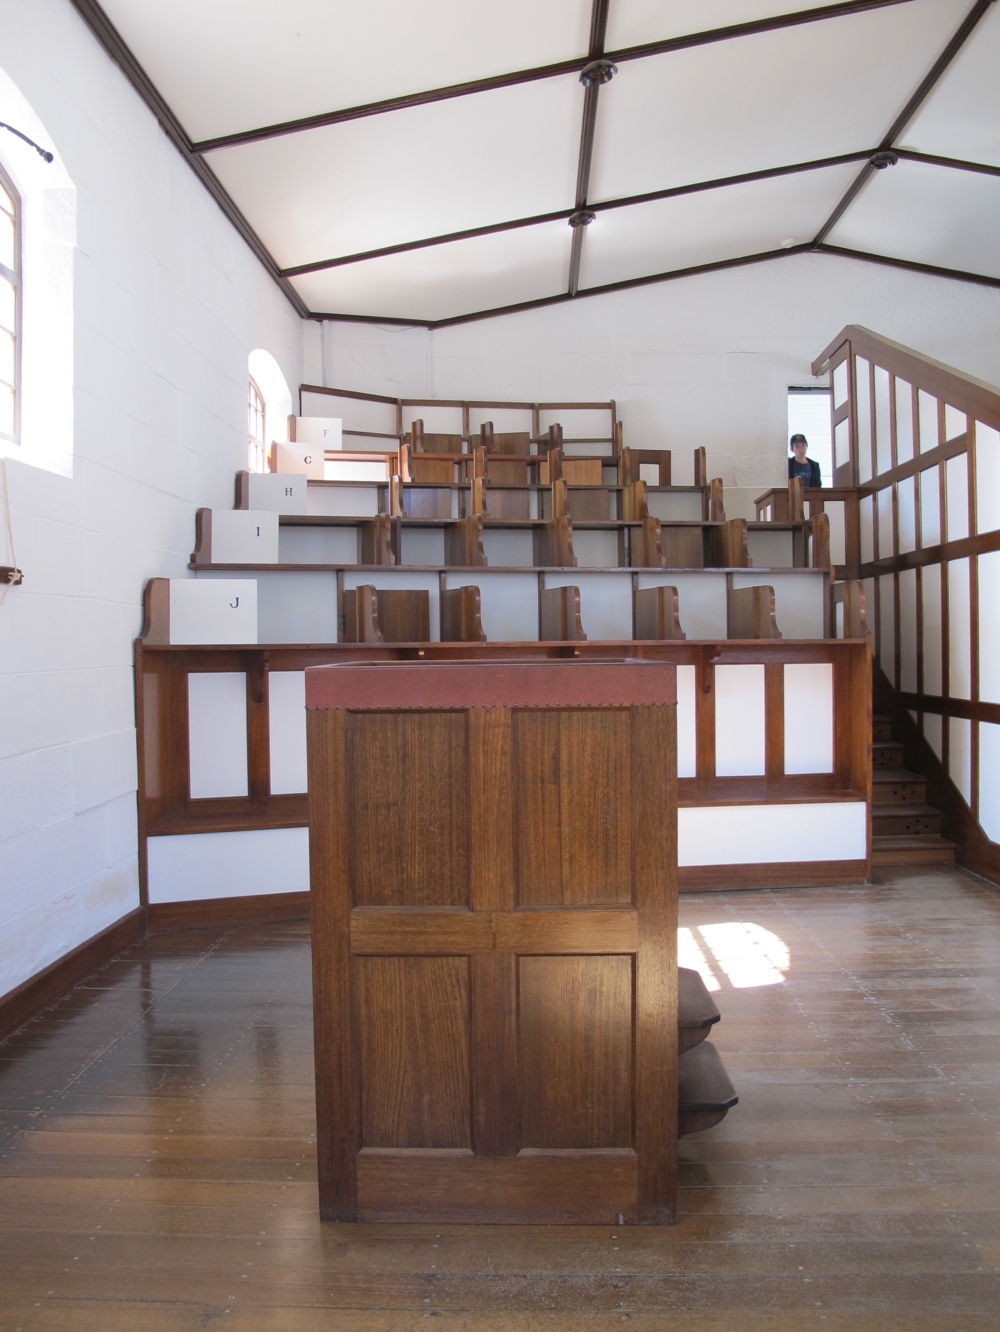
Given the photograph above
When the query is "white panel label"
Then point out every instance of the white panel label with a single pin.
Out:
(323, 432)
(809, 717)
(217, 734)
(244, 536)
(302, 458)
(279, 492)
(287, 717)
(739, 721)
(213, 610)
(758, 834)
(202, 866)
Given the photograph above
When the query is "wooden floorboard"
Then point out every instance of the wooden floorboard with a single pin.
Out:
(157, 1148)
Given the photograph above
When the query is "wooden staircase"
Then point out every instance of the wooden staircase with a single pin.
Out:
(906, 830)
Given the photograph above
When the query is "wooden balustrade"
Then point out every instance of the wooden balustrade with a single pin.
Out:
(917, 443)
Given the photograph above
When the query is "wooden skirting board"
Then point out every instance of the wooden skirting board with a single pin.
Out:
(39, 992)
(261, 909)
(776, 874)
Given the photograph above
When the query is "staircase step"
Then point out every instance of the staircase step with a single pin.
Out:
(927, 849)
(905, 820)
(886, 754)
(881, 728)
(696, 1009)
(896, 786)
(704, 1091)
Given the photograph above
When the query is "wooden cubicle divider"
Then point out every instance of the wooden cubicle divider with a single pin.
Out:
(494, 895)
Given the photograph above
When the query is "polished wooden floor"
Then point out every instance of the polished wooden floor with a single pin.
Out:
(157, 1156)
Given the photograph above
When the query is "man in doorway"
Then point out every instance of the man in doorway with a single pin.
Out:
(800, 465)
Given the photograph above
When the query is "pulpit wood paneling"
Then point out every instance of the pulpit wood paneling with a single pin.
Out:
(493, 859)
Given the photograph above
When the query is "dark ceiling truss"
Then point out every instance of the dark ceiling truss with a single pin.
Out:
(628, 201)
(716, 266)
(551, 71)
(884, 155)
(886, 147)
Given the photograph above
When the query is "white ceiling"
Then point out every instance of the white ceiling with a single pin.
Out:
(353, 178)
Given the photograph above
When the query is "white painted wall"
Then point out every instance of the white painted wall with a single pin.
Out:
(702, 360)
(168, 305)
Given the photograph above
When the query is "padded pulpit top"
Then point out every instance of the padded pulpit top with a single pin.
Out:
(529, 684)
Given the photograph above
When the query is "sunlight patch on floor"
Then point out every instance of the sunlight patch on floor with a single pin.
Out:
(746, 955)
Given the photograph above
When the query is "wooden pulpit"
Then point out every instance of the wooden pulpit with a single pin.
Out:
(494, 896)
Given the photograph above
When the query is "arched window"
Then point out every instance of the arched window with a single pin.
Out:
(37, 249)
(10, 309)
(269, 404)
(256, 420)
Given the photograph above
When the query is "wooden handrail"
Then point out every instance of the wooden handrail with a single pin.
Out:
(974, 396)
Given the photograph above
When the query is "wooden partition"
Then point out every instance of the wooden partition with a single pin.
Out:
(375, 422)
(494, 891)
(222, 770)
(921, 444)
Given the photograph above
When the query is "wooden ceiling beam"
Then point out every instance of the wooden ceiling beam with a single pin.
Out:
(555, 69)
(885, 149)
(563, 214)
(719, 265)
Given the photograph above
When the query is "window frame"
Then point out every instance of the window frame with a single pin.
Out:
(14, 278)
(256, 444)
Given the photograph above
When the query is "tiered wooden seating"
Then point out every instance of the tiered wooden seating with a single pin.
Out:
(386, 615)
(632, 461)
(423, 442)
(751, 613)
(461, 615)
(559, 615)
(655, 611)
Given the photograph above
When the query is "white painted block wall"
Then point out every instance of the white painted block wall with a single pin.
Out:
(168, 305)
(701, 360)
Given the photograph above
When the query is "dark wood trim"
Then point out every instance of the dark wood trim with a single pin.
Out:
(29, 998)
(539, 219)
(944, 706)
(780, 874)
(954, 163)
(554, 70)
(965, 548)
(920, 462)
(626, 284)
(347, 393)
(910, 265)
(391, 320)
(447, 238)
(266, 909)
(115, 47)
(909, 110)
(850, 194)
(575, 260)
(933, 75)
(974, 396)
